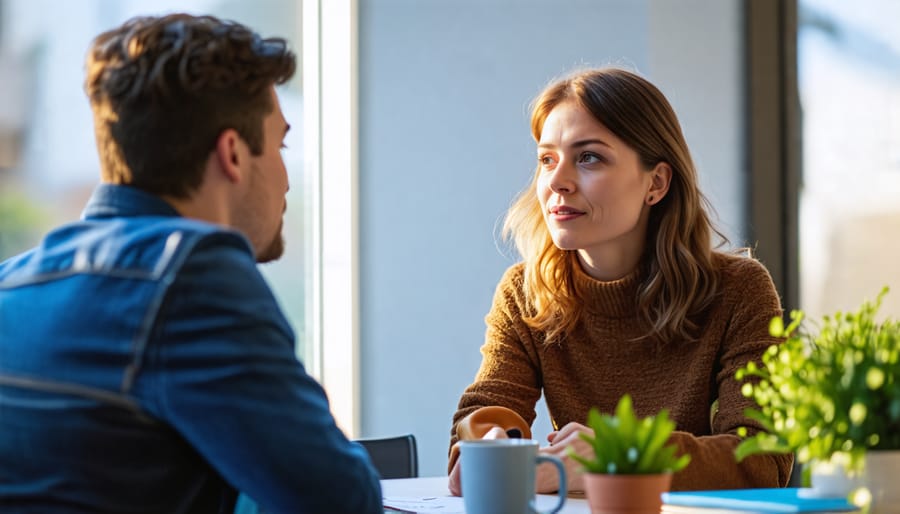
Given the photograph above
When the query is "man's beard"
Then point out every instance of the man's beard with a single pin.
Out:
(274, 250)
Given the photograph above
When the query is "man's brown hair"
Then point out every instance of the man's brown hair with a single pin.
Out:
(163, 89)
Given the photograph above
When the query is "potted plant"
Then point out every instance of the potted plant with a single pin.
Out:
(632, 465)
(830, 395)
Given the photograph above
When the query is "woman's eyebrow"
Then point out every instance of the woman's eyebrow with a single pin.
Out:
(586, 142)
(579, 144)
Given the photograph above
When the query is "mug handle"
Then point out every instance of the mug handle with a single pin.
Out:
(562, 481)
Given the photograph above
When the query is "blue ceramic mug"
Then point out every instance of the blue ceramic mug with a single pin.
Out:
(497, 475)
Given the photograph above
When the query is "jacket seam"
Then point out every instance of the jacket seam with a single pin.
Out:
(73, 389)
(171, 261)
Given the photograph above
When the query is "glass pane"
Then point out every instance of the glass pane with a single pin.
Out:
(849, 59)
(48, 161)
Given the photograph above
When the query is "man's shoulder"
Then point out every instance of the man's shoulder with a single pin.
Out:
(161, 245)
(141, 247)
(173, 232)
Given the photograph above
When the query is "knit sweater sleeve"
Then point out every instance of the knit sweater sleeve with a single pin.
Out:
(752, 302)
(509, 375)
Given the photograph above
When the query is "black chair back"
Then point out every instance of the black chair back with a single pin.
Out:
(394, 457)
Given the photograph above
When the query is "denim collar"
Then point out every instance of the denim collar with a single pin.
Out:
(111, 200)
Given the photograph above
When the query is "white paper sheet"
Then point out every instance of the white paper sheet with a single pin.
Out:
(439, 504)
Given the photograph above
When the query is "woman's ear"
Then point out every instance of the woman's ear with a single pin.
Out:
(229, 154)
(661, 177)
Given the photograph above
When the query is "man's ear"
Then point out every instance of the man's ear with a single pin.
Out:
(230, 155)
(659, 184)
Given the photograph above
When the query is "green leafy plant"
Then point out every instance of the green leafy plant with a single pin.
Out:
(834, 391)
(626, 445)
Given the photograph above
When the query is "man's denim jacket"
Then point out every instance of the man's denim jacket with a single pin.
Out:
(145, 366)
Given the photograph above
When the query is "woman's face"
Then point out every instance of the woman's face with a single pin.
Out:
(593, 191)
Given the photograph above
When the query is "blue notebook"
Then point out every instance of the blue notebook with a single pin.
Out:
(757, 500)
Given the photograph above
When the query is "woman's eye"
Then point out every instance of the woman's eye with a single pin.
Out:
(590, 158)
(546, 160)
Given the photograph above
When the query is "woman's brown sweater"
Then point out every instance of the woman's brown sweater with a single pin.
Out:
(601, 361)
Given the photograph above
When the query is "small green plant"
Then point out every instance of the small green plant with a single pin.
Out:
(833, 392)
(626, 445)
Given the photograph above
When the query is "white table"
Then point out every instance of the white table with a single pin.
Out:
(430, 494)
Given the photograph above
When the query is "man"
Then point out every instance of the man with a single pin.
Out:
(145, 365)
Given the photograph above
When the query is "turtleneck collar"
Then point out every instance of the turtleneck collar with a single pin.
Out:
(613, 299)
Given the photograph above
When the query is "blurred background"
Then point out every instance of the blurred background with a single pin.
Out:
(792, 111)
(48, 159)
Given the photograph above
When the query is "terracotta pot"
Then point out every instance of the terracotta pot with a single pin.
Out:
(626, 494)
(882, 470)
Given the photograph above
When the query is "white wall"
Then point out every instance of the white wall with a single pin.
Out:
(697, 59)
(445, 146)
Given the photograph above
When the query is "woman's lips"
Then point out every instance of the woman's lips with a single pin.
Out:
(564, 213)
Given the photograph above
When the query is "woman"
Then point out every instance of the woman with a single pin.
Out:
(621, 291)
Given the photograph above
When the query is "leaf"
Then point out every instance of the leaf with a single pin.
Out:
(660, 431)
(760, 418)
(625, 415)
(762, 442)
(590, 465)
(681, 463)
(663, 459)
(776, 327)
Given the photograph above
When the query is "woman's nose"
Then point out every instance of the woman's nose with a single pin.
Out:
(562, 181)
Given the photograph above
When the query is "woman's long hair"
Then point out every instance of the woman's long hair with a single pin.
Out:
(677, 275)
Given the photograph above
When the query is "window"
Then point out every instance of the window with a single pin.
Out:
(330, 126)
(849, 78)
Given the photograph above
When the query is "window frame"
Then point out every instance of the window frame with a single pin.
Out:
(774, 150)
(330, 123)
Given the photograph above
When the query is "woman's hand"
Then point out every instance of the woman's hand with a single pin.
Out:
(454, 483)
(547, 478)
